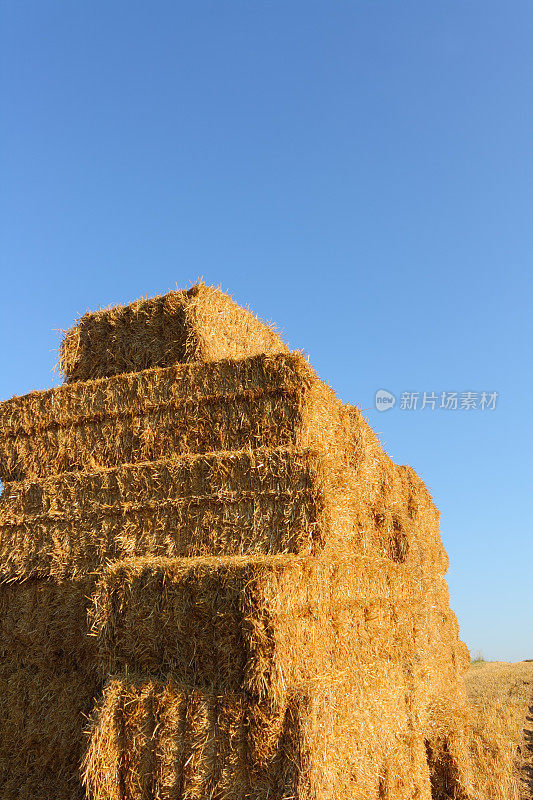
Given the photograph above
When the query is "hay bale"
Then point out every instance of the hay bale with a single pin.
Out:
(296, 638)
(265, 624)
(345, 495)
(189, 408)
(161, 738)
(43, 625)
(201, 323)
(260, 501)
(346, 634)
(48, 686)
(164, 739)
(43, 717)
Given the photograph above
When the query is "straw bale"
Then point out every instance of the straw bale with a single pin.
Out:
(270, 627)
(201, 323)
(393, 509)
(48, 684)
(340, 740)
(271, 603)
(447, 746)
(345, 495)
(262, 501)
(167, 740)
(262, 471)
(266, 624)
(43, 715)
(188, 408)
(43, 625)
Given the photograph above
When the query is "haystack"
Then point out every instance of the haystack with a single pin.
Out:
(198, 324)
(208, 555)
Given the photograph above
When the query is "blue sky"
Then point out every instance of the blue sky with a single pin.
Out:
(358, 172)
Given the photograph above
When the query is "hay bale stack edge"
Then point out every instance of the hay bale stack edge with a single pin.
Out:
(214, 581)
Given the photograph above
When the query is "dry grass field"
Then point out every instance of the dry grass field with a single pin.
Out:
(501, 697)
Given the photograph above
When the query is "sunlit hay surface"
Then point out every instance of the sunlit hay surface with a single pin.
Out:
(348, 636)
(501, 696)
(199, 324)
(262, 401)
(190, 742)
(226, 503)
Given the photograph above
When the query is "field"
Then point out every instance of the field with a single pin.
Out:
(501, 697)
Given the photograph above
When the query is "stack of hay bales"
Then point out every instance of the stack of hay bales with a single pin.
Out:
(268, 614)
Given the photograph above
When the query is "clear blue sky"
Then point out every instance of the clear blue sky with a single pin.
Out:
(359, 172)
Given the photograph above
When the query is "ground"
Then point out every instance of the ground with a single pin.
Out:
(501, 695)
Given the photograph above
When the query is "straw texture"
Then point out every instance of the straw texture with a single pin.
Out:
(353, 636)
(48, 686)
(211, 557)
(189, 408)
(261, 501)
(199, 324)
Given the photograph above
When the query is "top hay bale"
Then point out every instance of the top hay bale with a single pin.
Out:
(198, 324)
